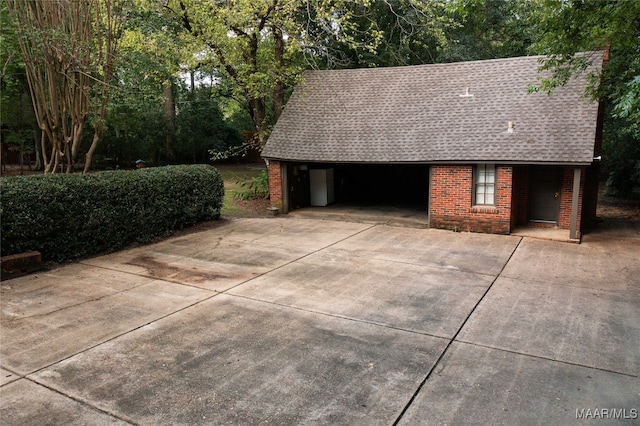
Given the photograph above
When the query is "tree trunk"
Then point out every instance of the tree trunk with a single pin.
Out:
(88, 158)
(38, 165)
(170, 117)
(258, 114)
(278, 92)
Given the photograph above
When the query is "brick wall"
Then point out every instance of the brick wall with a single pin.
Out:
(275, 183)
(566, 195)
(450, 202)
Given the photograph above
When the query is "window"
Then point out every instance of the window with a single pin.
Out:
(485, 185)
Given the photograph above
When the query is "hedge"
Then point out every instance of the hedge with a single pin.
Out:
(68, 217)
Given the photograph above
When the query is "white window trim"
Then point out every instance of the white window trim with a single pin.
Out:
(479, 170)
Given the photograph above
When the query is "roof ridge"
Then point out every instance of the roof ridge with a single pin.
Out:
(448, 64)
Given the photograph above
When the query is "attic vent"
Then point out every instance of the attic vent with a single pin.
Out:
(510, 127)
(466, 94)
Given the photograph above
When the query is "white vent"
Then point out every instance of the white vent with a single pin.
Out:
(510, 127)
(466, 94)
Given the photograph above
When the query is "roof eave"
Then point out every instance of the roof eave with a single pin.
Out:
(438, 162)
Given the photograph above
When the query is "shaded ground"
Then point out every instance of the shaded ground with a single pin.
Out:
(617, 208)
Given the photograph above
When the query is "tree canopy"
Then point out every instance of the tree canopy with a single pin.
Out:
(585, 25)
(200, 75)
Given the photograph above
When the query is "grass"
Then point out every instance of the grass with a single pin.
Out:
(233, 176)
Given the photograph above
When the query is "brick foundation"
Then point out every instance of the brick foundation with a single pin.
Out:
(450, 201)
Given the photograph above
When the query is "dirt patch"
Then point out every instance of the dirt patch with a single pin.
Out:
(614, 208)
(250, 208)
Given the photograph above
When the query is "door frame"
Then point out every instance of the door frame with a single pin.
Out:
(533, 189)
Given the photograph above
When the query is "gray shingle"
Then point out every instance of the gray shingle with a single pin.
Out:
(416, 114)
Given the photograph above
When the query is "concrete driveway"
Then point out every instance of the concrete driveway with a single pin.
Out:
(298, 321)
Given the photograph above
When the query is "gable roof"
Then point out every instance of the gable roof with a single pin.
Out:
(418, 114)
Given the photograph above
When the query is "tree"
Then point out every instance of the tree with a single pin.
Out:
(17, 121)
(488, 29)
(109, 16)
(200, 127)
(584, 25)
(262, 46)
(245, 40)
(380, 33)
(67, 47)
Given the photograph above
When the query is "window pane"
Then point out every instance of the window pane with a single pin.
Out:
(490, 174)
(485, 178)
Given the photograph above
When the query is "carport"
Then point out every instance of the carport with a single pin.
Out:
(377, 185)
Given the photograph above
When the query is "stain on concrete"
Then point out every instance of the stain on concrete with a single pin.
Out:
(159, 269)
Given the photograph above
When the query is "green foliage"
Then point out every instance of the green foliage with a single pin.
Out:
(253, 188)
(73, 216)
(200, 127)
(489, 29)
(621, 155)
(384, 33)
(584, 25)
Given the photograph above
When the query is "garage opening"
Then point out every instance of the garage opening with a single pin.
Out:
(368, 185)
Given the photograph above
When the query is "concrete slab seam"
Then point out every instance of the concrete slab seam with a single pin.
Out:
(80, 401)
(361, 321)
(18, 376)
(123, 333)
(453, 339)
(81, 303)
(544, 358)
(295, 260)
(216, 293)
(438, 268)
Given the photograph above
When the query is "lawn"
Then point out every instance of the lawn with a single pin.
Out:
(234, 175)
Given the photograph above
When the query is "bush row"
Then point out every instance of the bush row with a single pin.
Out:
(72, 216)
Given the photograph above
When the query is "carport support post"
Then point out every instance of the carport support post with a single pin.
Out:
(575, 197)
(285, 186)
(429, 197)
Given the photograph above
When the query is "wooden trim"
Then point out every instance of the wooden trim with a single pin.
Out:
(575, 198)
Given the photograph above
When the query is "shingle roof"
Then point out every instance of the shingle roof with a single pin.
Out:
(417, 114)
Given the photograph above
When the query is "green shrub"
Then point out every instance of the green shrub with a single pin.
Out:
(72, 216)
(254, 188)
